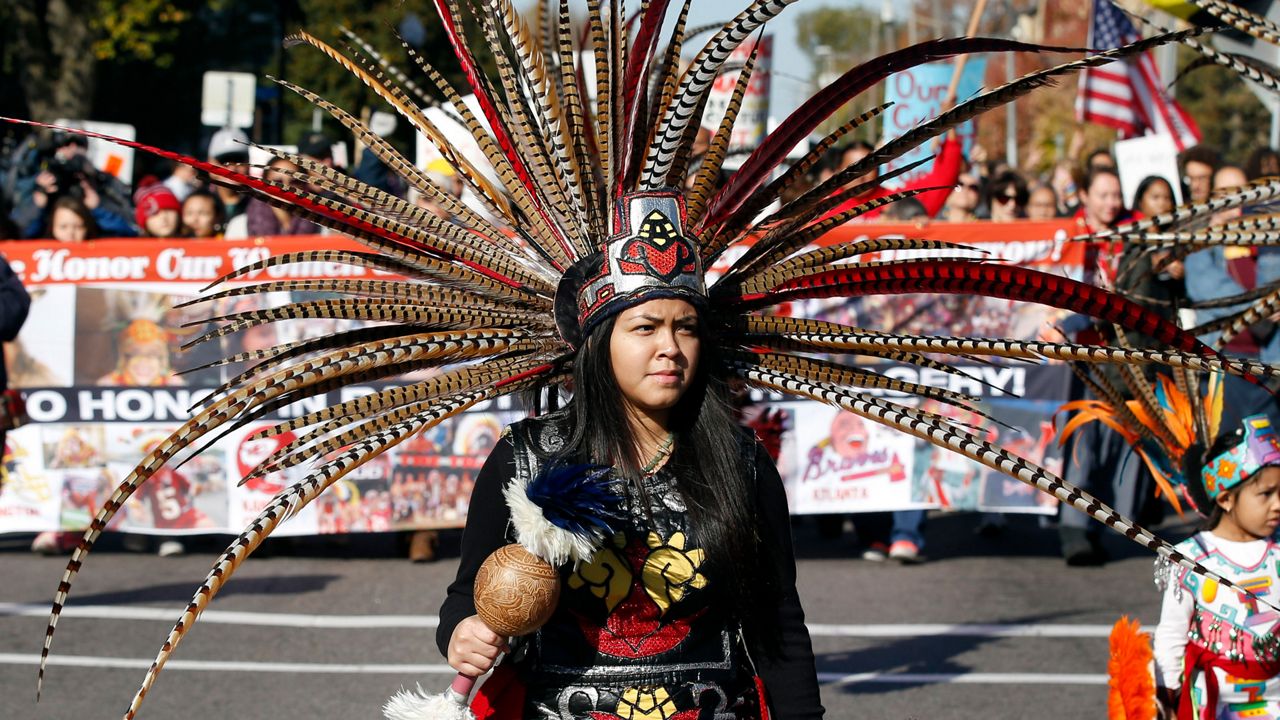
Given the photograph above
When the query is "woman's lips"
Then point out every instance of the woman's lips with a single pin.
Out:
(667, 377)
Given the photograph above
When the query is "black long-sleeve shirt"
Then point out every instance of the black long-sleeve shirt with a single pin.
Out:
(789, 677)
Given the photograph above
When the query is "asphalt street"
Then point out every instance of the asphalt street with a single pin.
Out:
(321, 628)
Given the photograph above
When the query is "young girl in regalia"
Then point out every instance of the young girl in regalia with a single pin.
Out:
(1216, 650)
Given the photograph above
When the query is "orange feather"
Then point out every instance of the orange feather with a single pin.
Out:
(1132, 687)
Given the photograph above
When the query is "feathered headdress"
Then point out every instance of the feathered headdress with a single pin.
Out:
(1169, 425)
(588, 215)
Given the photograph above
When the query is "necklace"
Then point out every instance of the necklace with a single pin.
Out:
(663, 451)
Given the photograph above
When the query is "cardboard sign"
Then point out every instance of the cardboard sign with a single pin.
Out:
(1143, 157)
(917, 96)
(751, 125)
(227, 99)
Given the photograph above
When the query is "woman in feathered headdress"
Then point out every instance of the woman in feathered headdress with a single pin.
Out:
(577, 235)
(695, 579)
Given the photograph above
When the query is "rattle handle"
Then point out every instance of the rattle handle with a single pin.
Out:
(460, 689)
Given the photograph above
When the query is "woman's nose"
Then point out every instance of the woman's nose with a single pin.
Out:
(668, 346)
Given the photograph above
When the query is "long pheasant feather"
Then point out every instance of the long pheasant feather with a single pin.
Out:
(808, 335)
(964, 443)
(694, 86)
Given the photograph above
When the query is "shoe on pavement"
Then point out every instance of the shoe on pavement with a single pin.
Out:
(876, 552)
(55, 543)
(1085, 555)
(422, 546)
(170, 548)
(905, 552)
(133, 542)
(989, 529)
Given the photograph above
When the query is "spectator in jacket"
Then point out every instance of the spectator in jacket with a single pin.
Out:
(260, 218)
(157, 210)
(946, 169)
(229, 147)
(1221, 272)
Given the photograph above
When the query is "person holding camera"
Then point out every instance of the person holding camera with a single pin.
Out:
(66, 171)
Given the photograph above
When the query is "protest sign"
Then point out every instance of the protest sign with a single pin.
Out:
(1141, 157)
(917, 95)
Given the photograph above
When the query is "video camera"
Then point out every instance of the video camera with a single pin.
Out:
(68, 173)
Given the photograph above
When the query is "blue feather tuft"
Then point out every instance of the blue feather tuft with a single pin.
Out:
(577, 499)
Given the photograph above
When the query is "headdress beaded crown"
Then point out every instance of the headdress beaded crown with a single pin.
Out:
(1258, 448)
(648, 256)
(574, 218)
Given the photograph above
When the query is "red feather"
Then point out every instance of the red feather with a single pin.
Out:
(818, 108)
(646, 41)
(1001, 281)
(480, 87)
(283, 194)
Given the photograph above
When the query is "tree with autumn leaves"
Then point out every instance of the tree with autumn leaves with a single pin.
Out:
(141, 61)
(834, 38)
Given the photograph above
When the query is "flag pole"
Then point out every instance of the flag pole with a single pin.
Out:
(972, 30)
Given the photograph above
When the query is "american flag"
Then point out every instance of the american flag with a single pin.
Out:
(1128, 95)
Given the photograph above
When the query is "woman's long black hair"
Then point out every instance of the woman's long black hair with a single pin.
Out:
(713, 464)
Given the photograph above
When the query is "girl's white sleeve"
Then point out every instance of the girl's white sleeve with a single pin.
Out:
(1171, 634)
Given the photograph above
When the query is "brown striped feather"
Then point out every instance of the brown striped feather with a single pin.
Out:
(283, 506)
(713, 160)
(908, 420)
(818, 336)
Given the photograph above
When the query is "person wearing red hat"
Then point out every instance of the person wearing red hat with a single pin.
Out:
(157, 211)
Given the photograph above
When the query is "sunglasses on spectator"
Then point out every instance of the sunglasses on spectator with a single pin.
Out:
(969, 185)
(1006, 198)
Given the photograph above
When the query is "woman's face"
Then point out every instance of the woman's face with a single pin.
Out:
(654, 352)
(1042, 204)
(1004, 204)
(198, 215)
(163, 224)
(67, 226)
(1157, 200)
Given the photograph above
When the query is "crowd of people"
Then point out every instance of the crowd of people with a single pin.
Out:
(53, 192)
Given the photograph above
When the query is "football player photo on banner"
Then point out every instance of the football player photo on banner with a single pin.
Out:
(845, 463)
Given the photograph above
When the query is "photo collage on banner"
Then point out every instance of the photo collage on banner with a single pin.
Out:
(109, 365)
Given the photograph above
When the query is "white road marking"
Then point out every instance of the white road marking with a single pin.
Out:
(438, 669)
(226, 666)
(233, 617)
(961, 630)
(977, 678)
(225, 617)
